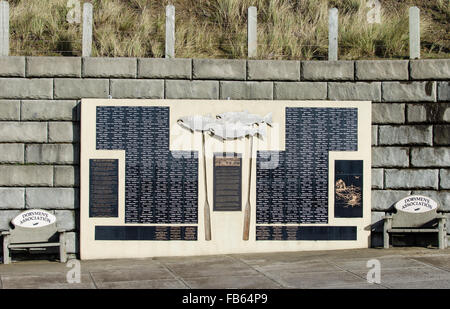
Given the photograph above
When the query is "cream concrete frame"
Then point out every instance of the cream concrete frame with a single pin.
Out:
(226, 227)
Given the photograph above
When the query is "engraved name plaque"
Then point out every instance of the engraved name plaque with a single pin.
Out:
(103, 187)
(227, 182)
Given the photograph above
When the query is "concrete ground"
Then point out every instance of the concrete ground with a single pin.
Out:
(400, 268)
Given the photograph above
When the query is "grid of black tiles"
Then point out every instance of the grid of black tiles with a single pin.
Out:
(160, 186)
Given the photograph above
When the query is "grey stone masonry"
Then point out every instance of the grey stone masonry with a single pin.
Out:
(442, 197)
(444, 178)
(410, 179)
(144, 89)
(66, 219)
(388, 113)
(6, 217)
(384, 199)
(374, 136)
(430, 69)
(409, 91)
(9, 109)
(12, 198)
(38, 110)
(405, 135)
(442, 135)
(51, 198)
(23, 88)
(377, 178)
(273, 70)
(12, 132)
(444, 91)
(11, 153)
(109, 67)
(26, 175)
(66, 176)
(360, 91)
(70, 88)
(11, 66)
(63, 132)
(428, 112)
(219, 69)
(381, 69)
(236, 90)
(327, 70)
(53, 67)
(176, 68)
(72, 243)
(300, 91)
(51, 154)
(390, 157)
(430, 157)
(185, 89)
(416, 113)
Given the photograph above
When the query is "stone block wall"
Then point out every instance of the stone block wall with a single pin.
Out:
(39, 118)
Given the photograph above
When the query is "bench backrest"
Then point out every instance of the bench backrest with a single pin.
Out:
(407, 219)
(21, 235)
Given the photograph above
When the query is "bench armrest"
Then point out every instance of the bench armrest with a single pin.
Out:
(61, 230)
(388, 217)
(5, 233)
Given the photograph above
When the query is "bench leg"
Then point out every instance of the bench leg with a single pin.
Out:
(442, 234)
(386, 235)
(62, 248)
(6, 257)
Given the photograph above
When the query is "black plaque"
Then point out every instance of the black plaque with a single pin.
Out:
(348, 197)
(162, 232)
(305, 232)
(103, 187)
(227, 182)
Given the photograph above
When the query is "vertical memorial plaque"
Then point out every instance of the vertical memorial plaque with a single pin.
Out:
(103, 187)
(348, 199)
(227, 182)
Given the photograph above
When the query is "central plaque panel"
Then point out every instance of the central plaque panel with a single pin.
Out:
(227, 182)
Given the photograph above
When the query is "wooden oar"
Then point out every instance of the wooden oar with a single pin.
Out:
(206, 206)
(247, 205)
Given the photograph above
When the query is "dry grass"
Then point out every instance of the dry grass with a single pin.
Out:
(287, 29)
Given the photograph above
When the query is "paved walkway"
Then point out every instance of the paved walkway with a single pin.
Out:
(400, 268)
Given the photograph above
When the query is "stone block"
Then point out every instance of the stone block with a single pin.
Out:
(444, 178)
(70, 88)
(109, 67)
(72, 243)
(409, 91)
(9, 110)
(444, 91)
(411, 179)
(327, 70)
(185, 89)
(66, 220)
(390, 157)
(63, 132)
(381, 70)
(377, 178)
(416, 113)
(430, 157)
(388, 113)
(12, 198)
(26, 175)
(140, 89)
(219, 69)
(236, 90)
(66, 176)
(384, 199)
(405, 135)
(442, 134)
(6, 217)
(12, 66)
(13, 132)
(430, 69)
(441, 197)
(25, 88)
(51, 198)
(175, 68)
(273, 70)
(11, 153)
(359, 91)
(374, 135)
(53, 67)
(49, 110)
(51, 154)
(300, 91)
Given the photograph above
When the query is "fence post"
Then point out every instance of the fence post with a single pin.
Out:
(333, 34)
(87, 29)
(4, 28)
(170, 31)
(414, 32)
(252, 39)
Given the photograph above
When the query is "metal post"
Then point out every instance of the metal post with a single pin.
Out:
(170, 31)
(4, 28)
(252, 39)
(87, 29)
(333, 34)
(414, 33)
